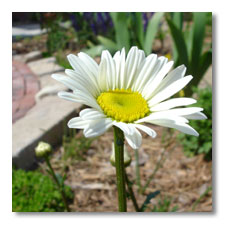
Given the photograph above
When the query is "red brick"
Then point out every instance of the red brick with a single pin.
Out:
(18, 82)
(16, 74)
(32, 87)
(18, 115)
(15, 107)
(27, 102)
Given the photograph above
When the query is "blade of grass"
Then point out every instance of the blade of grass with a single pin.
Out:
(199, 19)
(178, 40)
(108, 43)
(121, 29)
(200, 198)
(177, 18)
(151, 32)
(139, 28)
(205, 62)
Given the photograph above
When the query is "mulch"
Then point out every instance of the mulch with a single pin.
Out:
(180, 179)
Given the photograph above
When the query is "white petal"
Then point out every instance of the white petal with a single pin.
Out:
(125, 127)
(171, 103)
(69, 96)
(159, 65)
(117, 59)
(121, 77)
(158, 116)
(89, 62)
(146, 68)
(174, 114)
(110, 69)
(97, 127)
(71, 83)
(183, 127)
(78, 123)
(152, 85)
(170, 90)
(78, 65)
(91, 114)
(172, 76)
(196, 116)
(134, 140)
(131, 66)
(102, 77)
(180, 111)
(78, 78)
(146, 129)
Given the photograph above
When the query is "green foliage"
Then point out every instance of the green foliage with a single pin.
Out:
(129, 31)
(34, 192)
(58, 37)
(188, 45)
(164, 206)
(203, 144)
(62, 60)
(148, 200)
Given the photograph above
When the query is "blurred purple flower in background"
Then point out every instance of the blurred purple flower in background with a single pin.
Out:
(98, 22)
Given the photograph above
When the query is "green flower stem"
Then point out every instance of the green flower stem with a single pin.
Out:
(120, 169)
(138, 177)
(57, 183)
(132, 196)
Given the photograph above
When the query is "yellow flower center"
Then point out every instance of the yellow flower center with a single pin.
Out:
(123, 105)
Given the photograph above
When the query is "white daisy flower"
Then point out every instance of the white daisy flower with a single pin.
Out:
(126, 92)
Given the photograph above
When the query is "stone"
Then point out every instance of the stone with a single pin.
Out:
(45, 66)
(43, 122)
(49, 86)
(31, 56)
(49, 90)
(27, 30)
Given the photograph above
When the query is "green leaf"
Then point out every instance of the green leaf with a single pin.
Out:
(148, 200)
(151, 31)
(139, 29)
(205, 62)
(178, 39)
(198, 38)
(121, 29)
(108, 43)
(188, 36)
(178, 19)
(95, 51)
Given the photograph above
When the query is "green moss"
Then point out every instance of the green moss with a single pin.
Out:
(34, 192)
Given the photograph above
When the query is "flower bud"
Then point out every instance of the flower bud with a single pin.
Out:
(43, 149)
(126, 156)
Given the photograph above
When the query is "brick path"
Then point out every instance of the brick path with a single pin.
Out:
(24, 87)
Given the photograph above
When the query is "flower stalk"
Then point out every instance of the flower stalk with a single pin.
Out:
(137, 170)
(120, 168)
(60, 187)
(132, 196)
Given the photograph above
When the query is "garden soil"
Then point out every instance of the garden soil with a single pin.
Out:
(181, 180)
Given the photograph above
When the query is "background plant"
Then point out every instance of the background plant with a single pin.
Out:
(202, 144)
(34, 192)
(188, 44)
(131, 29)
(74, 147)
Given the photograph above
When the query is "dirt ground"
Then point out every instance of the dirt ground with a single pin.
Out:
(180, 179)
